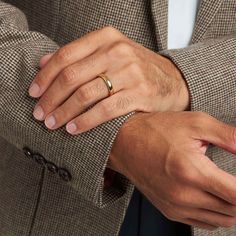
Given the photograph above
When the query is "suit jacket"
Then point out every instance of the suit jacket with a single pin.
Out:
(52, 183)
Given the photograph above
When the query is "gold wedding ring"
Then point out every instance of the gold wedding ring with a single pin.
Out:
(108, 83)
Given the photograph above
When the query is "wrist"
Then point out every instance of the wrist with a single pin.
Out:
(184, 95)
(122, 146)
(181, 95)
(183, 101)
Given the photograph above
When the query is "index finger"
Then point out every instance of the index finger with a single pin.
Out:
(69, 54)
(221, 184)
(218, 133)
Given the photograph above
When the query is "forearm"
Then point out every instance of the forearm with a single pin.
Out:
(84, 156)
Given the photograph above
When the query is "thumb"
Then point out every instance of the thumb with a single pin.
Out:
(219, 134)
(45, 59)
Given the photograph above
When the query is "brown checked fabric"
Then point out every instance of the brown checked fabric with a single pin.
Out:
(35, 201)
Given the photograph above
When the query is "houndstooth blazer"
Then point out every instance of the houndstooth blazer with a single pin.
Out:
(52, 183)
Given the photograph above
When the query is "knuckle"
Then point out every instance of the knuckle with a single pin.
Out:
(180, 171)
(83, 94)
(120, 49)
(68, 76)
(177, 167)
(136, 70)
(63, 55)
(110, 30)
(96, 91)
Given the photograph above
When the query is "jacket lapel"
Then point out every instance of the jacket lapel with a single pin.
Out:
(159, 9)
(206, 13)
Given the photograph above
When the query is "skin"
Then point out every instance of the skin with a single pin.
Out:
(170, 167)
(172, 170)
(139, 84)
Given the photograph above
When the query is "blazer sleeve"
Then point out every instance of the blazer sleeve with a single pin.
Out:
(209, 68)
(84, 156)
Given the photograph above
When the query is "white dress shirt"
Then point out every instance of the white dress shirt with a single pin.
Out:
(181, 21)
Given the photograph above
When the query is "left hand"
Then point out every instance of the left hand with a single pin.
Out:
(68, 82)
(171, 167)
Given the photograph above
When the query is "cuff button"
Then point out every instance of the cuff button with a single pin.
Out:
(64, 174)
(39, 159)
(27, 152)
(52, 167)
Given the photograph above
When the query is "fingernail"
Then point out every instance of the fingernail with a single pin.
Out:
(71, 128)
(38, 113)
(50, 122)
(34, 90)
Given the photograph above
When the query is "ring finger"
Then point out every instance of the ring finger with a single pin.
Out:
(68, 81)
(84, 97)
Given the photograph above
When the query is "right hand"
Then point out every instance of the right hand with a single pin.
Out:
(68, 83)
(163, 154)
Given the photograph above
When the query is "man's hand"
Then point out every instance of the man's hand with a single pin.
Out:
(163, 154)
(68, 83)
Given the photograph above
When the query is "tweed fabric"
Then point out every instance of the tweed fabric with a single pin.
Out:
(17, 181)
(225, 161)
(85, 156)
(35, 202)
(221, 90)
(18, 49)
